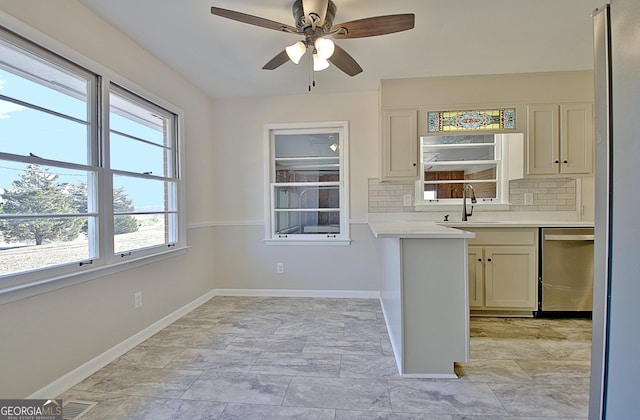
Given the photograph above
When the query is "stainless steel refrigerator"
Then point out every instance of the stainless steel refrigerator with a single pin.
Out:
(615, 362)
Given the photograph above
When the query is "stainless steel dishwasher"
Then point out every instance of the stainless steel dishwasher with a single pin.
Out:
(566, 267)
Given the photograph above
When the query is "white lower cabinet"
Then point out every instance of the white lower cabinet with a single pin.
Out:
(503, 272)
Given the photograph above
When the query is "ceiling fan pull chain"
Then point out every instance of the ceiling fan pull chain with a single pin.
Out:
(312, 75)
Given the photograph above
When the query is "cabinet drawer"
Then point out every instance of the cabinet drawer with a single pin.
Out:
(503, 236)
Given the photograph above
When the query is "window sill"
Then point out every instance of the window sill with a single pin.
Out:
(37, 287)
(456, 207)
(308, 242)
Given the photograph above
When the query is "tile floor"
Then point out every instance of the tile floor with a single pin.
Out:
(276, 358)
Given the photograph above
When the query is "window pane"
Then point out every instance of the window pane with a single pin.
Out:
(453, 190)
(449, 154)
(130, 117)
(459, 139)
(312, 197)
(310, 170)
(142, 195)
(460, 173)
(29, 244)
(307, 145)
(485, 189)
(307, 222)
(128, 154)
(35, 189)
(142, 231)
(30, 79)
(25, 131)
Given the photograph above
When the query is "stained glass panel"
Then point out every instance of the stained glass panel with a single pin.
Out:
(472, 120)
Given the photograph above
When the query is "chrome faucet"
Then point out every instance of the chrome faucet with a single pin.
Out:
(466, 215)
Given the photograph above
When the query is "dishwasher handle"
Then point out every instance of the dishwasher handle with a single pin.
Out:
(568, 237)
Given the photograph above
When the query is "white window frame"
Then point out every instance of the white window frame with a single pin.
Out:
(501, 202)
(172, 176)
(327, 239)
(33, 282)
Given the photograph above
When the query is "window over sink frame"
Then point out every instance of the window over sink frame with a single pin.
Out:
(450, 161)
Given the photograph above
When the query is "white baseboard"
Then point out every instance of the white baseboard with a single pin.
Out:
(430, 376)
(347, 294)
(82, 372)
(396, 352)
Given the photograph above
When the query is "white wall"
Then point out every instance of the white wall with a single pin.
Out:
(46, 336)
(242, 260)
(238, 150)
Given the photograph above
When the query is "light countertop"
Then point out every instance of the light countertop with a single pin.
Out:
(390, 228)
(416, 229)
(517, 223)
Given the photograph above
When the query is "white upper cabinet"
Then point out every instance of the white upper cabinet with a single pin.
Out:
(399, 148)
(560, 138)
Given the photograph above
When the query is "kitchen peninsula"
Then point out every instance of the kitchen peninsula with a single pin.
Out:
(424, 295)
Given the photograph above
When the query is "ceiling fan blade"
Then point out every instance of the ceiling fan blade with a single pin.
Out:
(276, 61)
(342, 60)
(253, 20)
(380, 25)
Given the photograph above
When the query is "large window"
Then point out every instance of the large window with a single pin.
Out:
(88, 170)
(307, 183)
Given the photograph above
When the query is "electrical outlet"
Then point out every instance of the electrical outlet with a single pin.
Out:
(137, 300)
(528, 199)
(280, 268)
(407, 199)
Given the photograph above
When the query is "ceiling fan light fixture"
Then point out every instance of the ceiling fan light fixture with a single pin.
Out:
(324, 47)
(319, 63)
(296, 51)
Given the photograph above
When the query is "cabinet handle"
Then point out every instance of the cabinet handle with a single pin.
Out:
(489, 259)
(557, 161)
(479, 259)
(565, 161)
(415, 164)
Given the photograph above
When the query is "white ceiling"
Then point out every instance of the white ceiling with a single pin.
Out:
(452, 37)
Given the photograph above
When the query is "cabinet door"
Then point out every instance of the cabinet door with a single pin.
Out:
(510, 277)
(576, 138)
(476, 277)
(399, 148)
(543, 139)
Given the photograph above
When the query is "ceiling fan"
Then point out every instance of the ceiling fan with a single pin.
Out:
(314, 20)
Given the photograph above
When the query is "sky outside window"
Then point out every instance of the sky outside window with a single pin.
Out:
(25, 131)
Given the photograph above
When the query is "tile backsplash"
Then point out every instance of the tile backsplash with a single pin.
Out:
(549, 194)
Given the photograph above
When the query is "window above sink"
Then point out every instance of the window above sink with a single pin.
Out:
(449, 162)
